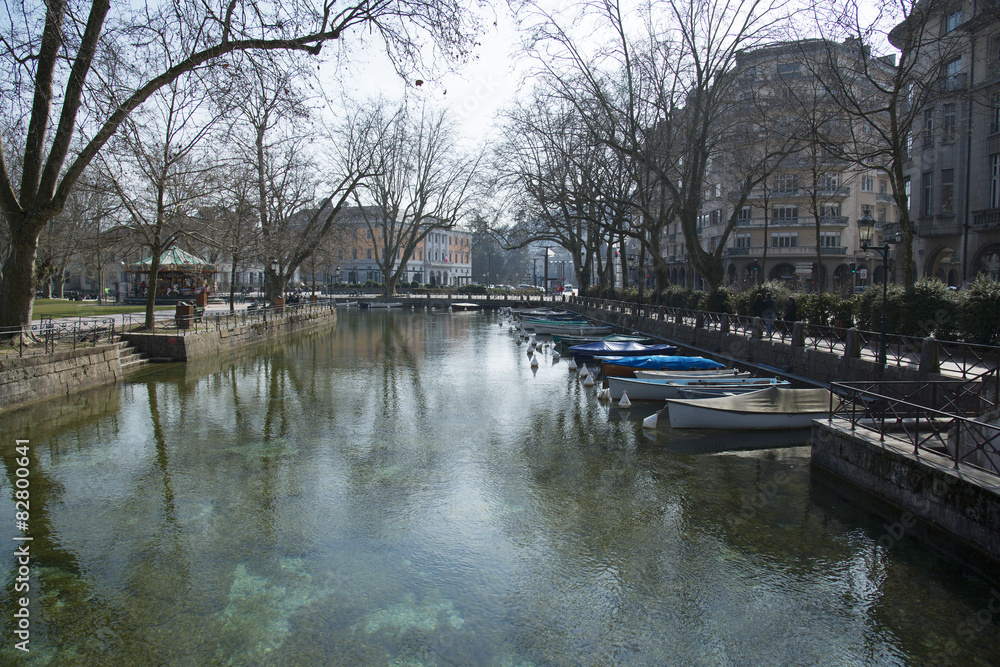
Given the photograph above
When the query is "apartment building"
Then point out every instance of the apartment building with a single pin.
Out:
(954, 161)
(799, 223)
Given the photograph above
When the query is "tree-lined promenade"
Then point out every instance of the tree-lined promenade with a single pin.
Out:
(204, 127)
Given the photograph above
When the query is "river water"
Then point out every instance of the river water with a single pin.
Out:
(405, 489)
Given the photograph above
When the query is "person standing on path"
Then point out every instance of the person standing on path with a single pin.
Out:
(770, 312)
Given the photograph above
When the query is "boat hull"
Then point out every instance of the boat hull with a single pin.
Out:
(584, 330)
(661, 390)
(772, 408)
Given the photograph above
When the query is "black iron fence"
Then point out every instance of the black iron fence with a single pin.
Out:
(943, 418)
(199, 322)
(964, 360)
(47, 335)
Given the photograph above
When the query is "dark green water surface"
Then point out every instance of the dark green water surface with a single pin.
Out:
(404, 489)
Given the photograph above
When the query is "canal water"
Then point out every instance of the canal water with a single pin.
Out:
(405, 489)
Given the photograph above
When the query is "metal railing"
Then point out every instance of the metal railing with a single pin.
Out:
(954, 358)
(218, 320)
(931, 417)
(47, 336)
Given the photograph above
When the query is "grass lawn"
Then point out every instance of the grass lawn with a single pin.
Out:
(64, 308)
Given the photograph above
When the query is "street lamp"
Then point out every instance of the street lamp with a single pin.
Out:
(866, 231)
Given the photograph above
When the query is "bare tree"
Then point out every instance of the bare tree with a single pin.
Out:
(667, 100)
(50, 50)
(420, 181)
(162, 176)
(566, 187)
(885, 95)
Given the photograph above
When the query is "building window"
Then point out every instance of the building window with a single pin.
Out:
(368, 253)
(829, 210)
(881, 214)
(788, 69)
(929, 127)
(745, 215)
(928, 202)
(883, 186)
(949, 123)
(785, 240)
(953, 20)
(868, 184)
(947, 190)
(995, 113)
(785, 184)
(953, 74)
(742, 240)
(715, 217)
(829, 182)
(785, 214)
(995, 180)
(829, 239)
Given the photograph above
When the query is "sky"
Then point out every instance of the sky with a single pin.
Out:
(475, 92)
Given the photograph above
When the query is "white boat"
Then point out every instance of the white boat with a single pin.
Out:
(664, 388)
(465, 305)
(346, 304)
(771, 408)
(714, 391)
(380, 304)
(690, 375)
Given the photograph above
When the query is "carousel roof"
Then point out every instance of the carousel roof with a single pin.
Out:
(175, 259)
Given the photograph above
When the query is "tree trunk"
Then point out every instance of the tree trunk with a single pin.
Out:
(17, 287)
(154, 268)
(232, 285)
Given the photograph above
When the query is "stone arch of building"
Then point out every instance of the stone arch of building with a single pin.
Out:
(731, 274)
(843, 281)
(783, 271)
(943, 264)
(986, 261)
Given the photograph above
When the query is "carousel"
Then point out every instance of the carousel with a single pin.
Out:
(180, 277)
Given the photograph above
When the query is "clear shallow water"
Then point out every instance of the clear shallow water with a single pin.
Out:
(406, 490)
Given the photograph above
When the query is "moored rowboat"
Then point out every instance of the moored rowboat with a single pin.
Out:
(661, 389)
(771, 408)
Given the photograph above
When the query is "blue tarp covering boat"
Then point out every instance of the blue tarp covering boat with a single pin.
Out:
(619, 349)
(656, 362)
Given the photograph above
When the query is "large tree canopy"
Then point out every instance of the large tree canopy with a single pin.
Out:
(75, 71)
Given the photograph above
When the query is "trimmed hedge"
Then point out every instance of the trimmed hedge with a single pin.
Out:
(972, 315)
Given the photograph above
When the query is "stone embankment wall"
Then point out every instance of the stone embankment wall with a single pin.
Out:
(965, 504)
(230, 336)
(28, 379)
(25, 380)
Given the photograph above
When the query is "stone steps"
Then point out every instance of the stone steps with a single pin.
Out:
(131, 359)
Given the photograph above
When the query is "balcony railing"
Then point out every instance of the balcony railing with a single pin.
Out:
(885, 198)
(986, 219)
(833, 250)
(825, 221)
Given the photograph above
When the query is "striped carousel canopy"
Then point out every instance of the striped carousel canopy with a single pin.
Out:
(175, 259)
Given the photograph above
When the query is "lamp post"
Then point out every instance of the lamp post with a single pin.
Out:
(866, 231)
(274, 274)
